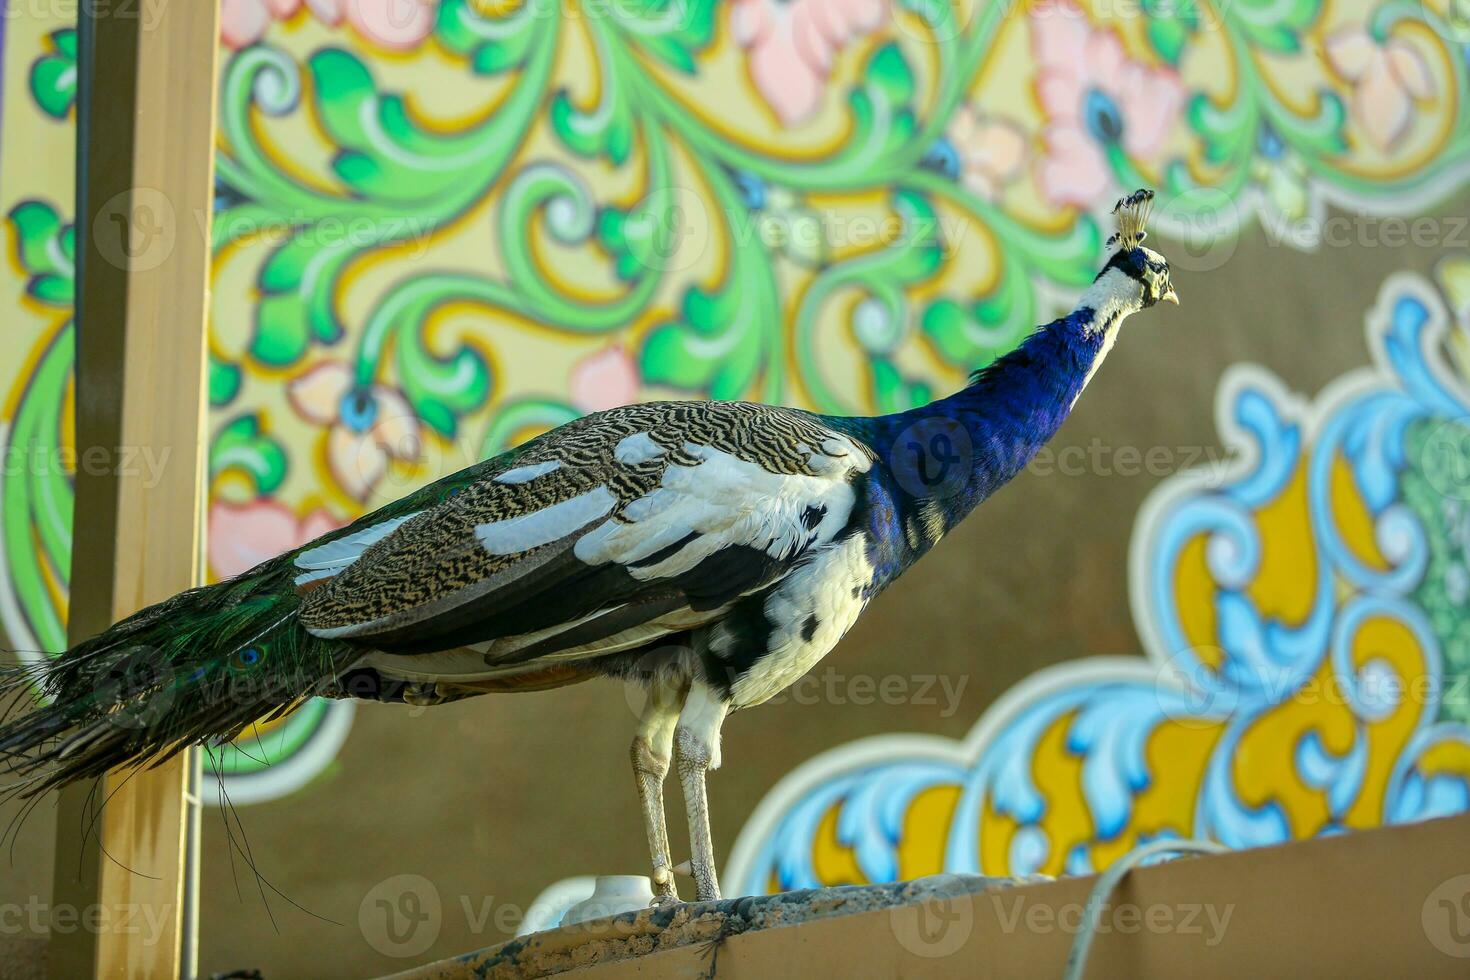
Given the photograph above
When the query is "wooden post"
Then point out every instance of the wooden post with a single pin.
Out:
(145, 136)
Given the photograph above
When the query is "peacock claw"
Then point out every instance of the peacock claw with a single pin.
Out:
(665, 901)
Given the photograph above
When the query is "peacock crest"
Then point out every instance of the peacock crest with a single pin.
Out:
(1131, 214)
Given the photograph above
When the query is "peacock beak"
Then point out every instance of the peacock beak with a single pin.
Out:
(1170, 297)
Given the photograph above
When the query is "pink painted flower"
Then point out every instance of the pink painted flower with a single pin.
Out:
(604, 379)
(1386, 78)
(243, 22)
(1094, 98)
(367, 425)
(990, 151)
(242, 536)
(397, 24)
(791, 44)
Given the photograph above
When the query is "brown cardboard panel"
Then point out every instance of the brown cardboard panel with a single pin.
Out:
(1381, 903)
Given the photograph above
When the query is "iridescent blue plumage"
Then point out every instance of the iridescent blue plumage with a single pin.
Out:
(943, 459)
(938, 462)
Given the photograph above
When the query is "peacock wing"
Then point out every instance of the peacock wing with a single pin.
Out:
(611, 531)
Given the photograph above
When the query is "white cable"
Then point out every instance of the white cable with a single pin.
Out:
(1108, 881)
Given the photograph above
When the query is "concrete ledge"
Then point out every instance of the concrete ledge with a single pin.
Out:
(704, 924)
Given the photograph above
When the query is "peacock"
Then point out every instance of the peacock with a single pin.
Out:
(710, 552)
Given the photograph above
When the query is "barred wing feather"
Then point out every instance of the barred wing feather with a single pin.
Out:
(605, 534)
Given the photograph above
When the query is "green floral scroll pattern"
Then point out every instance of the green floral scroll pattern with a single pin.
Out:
(397, 177)
(1259, 127)
(54, 75)
(241, 446)
(726, 341)
(36, 499)
(397, 180)
(1445, 590)
(35, 486)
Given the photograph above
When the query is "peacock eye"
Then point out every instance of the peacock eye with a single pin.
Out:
(1104, 120)
(358, 409)
(942, 158)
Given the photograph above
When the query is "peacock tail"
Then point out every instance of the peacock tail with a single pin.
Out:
(198, 667)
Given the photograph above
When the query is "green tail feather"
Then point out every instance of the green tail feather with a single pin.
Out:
(199, 667)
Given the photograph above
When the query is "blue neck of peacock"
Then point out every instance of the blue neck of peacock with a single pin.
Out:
(948, 456)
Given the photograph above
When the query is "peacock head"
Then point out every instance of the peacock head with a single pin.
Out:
(1135, 277)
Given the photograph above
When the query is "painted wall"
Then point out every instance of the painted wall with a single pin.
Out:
(442, 227)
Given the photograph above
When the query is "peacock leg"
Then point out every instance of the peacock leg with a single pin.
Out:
(653, 748)
(698, 737)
